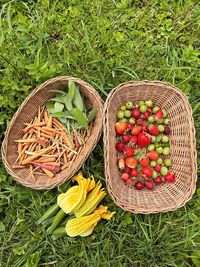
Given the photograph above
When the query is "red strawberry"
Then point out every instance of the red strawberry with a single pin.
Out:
(131, 162)
(139, 121)
(147, 171)
(149, 184)
(144, 128)
(127, 169)
(158, 180)
(153, 129)
(157, 168)
(170, 177)
(143, 140)
(159, 114)
(121, 163)
(134, 173)
(152, 155)
(136, 130)
(128, 151)
(126, 138)
(120, 127)
(139, 185)
(129, 126)
(149, 109)
(144, 162)
(129, 182)
(146, 114)
(133, 140)
(135, 113)
(125, 176)
(120, 146)
(167, 130)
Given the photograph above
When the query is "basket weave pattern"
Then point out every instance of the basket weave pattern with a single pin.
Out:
(165, 197)
(27, 111)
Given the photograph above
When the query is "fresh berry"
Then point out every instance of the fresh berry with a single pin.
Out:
(139, 121)
(155, 109)
(120, 146)
(152, 155)
(158, 180)
(136, 130)
(134, 173)
(128, 151)
(143, 140)
(144, 162)
(141, 103)
(164, 113)
(123, 107)
(166, 151)
(129, 182)
(149, 184)
(151, 119)
(131, 162)
(167, 162)
(132, 120)
(135, 113)
(124, 120)
(166, 121)
(126, 138)
(152, 163)
(127, 169)
(129, 126)
(157, 167)
(159, 161)
(153, 129)
(154, 174)
(151, 147)
(159, 114)
(170, 177)
(121, 163)
(165, 139)
(120, 127)
(139, 185)
(161, 128)
(167, 130)
(125, 176)
(159, 150)
(144, 128)
(133, 140)
(147, 171)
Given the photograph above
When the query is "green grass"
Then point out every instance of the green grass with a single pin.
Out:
(104, 43)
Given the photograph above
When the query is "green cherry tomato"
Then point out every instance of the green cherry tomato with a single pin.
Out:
(149, 103)
(141, 103)
(143, 108)
(167, 162)
(164, 170)
(161, 128)
(127, 113)
(123, 107)
(159, 161)
(165, 139)
(159, 150)
(151, 147)
(154, 174)
(151, 119)
(166, 151)
(153, 163)
(132, 120)
(153, 139)
(166, 121)
(129, 105)
(120, 114)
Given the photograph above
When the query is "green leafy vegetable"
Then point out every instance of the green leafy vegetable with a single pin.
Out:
(79, 117)
(58, 107)
(78, 101)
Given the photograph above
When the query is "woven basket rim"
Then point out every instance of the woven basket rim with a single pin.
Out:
(34, 92)
(191, 191)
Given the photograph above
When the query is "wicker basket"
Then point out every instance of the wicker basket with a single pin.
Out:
(165, 197)
(27, 111)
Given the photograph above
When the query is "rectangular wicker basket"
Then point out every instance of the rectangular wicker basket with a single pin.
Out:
(166, 197)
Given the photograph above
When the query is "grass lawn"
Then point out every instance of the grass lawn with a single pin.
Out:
(104, 43)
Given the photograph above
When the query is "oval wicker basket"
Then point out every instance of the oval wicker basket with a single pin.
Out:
(27, 111)
(166, 197)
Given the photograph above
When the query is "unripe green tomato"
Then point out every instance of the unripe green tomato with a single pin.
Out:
(159, 161)
(166, 151)
(161, 128)
(152, 163)
(159, 150)
(127, 113)
(165, 139)
(154, 174)
(166, 121)
(151, 147)
(158, 138)
(164, 170)
(141, 103)
(151, 119)
(167, 162)
(120, 114)
(149, 103)
(129, 105)
(153, 139)
(143, 108)
(123, 107)
(132, 120)
(155, 109)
